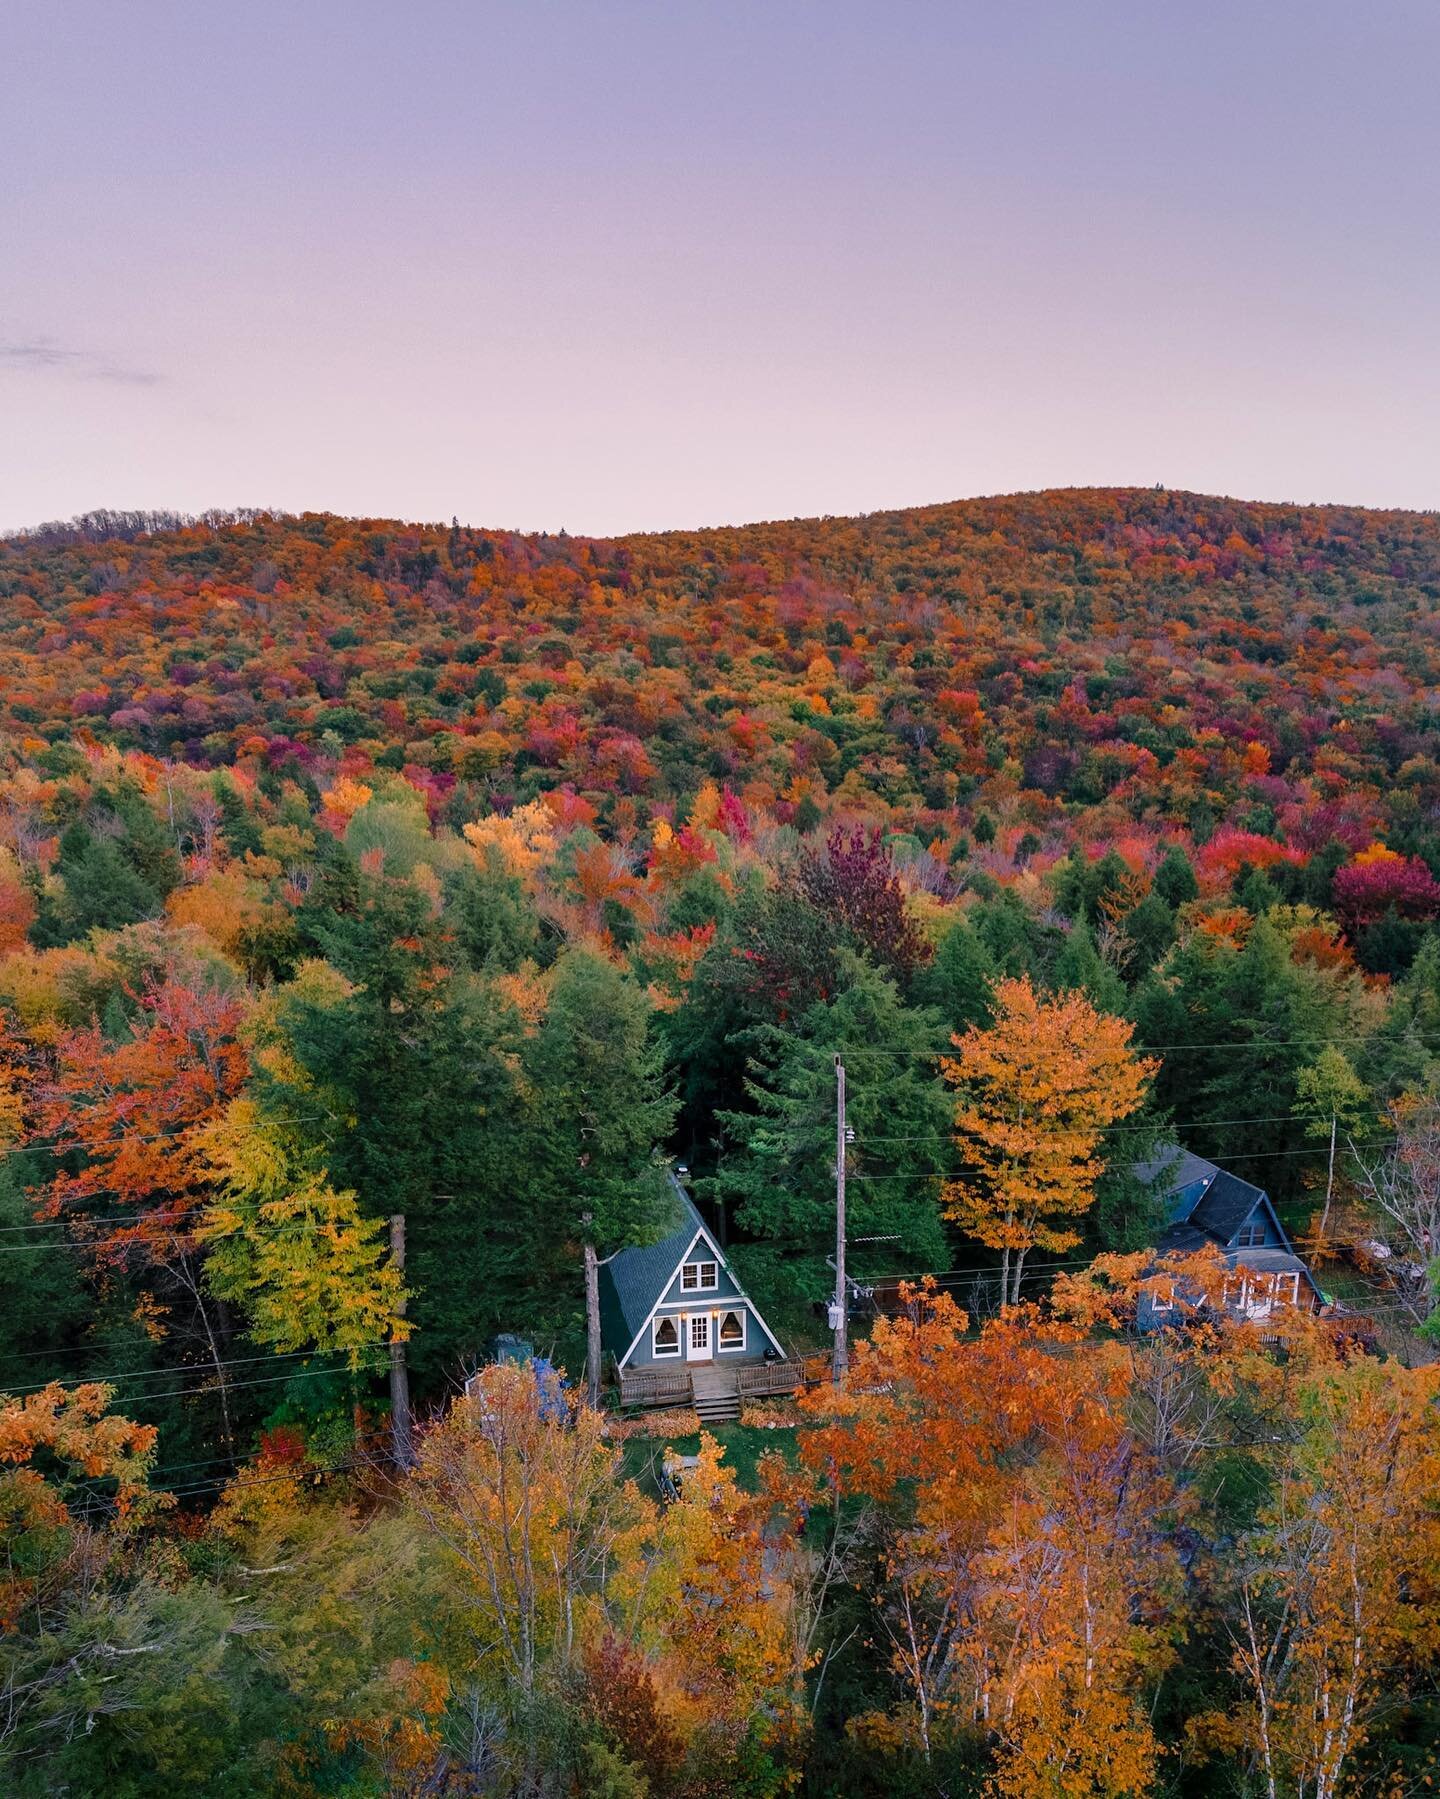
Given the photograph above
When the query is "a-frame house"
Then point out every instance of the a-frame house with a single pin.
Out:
(677, 1304)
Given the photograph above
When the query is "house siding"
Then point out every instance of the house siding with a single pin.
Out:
(1271, 1239)
(637, 1285)
(675, 1294)
(756, 1342)
(1212, 1208)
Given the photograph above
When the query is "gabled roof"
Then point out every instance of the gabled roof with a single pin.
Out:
(1210, 1200)
(1225, 1205)
(1207, 1207)
(1181, 1167)
(1179, 1174)
(632, 1280)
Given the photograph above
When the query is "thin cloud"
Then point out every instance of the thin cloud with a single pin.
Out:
(41, 357)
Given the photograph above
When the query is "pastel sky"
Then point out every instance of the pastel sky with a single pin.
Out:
(624, 264)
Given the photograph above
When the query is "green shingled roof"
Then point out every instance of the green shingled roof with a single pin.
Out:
(632, 1281)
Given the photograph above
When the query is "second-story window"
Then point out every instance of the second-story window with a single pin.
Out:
(699, 1277)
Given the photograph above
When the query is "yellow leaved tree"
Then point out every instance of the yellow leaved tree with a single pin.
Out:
(1036, 1091)
(523, 839)
(310, 1270)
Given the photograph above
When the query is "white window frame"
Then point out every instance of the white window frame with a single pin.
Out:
(699, 1284)
(721, 1346)
(1244, 1238)
(1162, 1302)
(667, 1354)
(701, 1334)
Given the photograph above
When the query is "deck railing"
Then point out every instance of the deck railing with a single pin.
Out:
(759, 1378)
(656, 1386)
(753, 1380)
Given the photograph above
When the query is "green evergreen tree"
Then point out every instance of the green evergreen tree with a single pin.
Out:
(1233, 1027)
(778, 1173)
(1175, 879)
(238, 830)
(43, 1301)
(492, 917)
(146, 845)
(1150, 929)
(1013, 938)
(957, 983)
(414, 1078)
(1078, 966)
(599, 1078)
(1256, 892)
(101, 890)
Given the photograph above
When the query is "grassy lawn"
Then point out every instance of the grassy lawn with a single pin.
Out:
(744, 1444)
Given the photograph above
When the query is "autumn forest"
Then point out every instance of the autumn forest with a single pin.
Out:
(389, 913)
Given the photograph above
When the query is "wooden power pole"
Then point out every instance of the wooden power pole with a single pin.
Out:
(402, 1438)
(592, 1317)
(841, 1357)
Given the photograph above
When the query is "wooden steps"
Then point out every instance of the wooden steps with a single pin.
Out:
(717, 1400)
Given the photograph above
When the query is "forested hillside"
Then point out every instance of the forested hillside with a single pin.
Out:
(351, 869)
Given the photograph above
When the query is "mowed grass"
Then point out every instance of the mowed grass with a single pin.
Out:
(743, 1444)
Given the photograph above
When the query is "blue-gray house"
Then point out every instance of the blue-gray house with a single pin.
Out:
(1208, 1207)
(677, 1303)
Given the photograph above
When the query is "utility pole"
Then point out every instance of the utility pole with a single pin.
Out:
(1330, 1176)
(841, 1358)
(402, 1438)
(592, 1315)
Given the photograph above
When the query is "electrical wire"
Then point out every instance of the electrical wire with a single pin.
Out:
(99, 1503)
(1190, 1126)
(205, 1368)
(121, 1230)
(236, 1386)
(1258, 1155)
(1254, 1044)
(63, 1146)
(137, 1234)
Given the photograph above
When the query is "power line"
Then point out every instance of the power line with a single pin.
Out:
(61, 1146)
(349, 1466)
(935, 1274)
(244, 1207)
(136, 1233)
(140, 1232)
(99, 1503)
(1189, 1124)
(1258, 1155)
(1254, 1044)
(205, 1368)
(269, 1381)
(122, 1230)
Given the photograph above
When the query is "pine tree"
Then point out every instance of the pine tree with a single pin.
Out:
(778, 1170)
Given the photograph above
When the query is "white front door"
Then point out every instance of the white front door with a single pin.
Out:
(697, 1337)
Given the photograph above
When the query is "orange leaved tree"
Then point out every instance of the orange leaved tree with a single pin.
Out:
(54, 1445)
(127, 1123)
(1036, 1091)
(134, 1115)
(1332, 1602)
(1028, 1586)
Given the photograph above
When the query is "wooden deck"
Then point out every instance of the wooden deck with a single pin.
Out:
(711, 1380)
